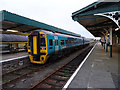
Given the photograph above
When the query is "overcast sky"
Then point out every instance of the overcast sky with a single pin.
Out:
(53, 12)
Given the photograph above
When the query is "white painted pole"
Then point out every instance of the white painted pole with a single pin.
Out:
(110, 42)
(110, 36)
(106, 41)
(117, 40)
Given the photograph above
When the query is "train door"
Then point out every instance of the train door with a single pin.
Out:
(51, 44)
(34, 44)
(56, 43)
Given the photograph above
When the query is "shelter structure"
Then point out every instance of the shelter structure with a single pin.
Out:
(102, 19)
(13, 21)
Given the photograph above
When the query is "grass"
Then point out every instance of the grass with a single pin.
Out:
(4, 80)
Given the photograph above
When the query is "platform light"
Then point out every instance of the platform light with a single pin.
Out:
(117, 29)
(12, 30)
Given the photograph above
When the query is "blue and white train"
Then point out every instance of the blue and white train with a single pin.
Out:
(44, 44)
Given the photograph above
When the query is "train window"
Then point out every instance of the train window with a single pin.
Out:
(66, 41)
(30, 41)
(62, 42)
(56, 42)
(69, 41)
(50, 42)
(72, 41)
(43, 42)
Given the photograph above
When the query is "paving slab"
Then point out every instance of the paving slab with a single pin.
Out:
(97, 70)
(13, 55)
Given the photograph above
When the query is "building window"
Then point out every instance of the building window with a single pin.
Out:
(50, 42)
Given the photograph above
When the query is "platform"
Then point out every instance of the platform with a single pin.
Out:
(13, 55)
(98, 71)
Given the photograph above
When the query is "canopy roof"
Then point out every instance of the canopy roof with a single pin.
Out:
(16, 22)
(99, 17)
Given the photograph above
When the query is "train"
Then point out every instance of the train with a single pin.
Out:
(44, 44)
(11, 43)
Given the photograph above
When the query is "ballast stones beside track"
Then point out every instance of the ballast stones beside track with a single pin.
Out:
(13, 64)
(27, 82)
(60, 76)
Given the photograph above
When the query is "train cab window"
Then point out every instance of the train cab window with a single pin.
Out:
(50, 42)
(62, 42)
(43, 42)
(30, 41)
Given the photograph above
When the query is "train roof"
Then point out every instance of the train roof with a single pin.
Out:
(56, 34)
(13, 38)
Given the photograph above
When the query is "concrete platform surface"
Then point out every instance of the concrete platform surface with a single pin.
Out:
(13, 55)
(98, 71)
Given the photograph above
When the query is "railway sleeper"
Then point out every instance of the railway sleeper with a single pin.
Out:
(45, 85)
(61, 78)
(71, 72)
(55, 83)
(67, 74)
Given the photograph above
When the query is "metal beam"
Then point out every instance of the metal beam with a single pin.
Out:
(105, 23)
(107, 7)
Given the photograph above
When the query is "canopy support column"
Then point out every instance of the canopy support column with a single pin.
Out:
(106, 41)
(110, 42)
(117, 40)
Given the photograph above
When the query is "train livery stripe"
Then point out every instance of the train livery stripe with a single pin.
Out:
(35, 45)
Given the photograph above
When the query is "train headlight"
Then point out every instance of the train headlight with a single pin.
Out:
(43, 48)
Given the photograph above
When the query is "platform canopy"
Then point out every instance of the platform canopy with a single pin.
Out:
(13, 21)
(99, 17)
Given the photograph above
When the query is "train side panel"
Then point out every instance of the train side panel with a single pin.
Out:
(51, 44)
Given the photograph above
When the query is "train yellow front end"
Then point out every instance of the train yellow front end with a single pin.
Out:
(37, 47)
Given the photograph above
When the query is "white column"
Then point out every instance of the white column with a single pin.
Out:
(106, 41)
(110, 36)
(117, 40)
(110, 42)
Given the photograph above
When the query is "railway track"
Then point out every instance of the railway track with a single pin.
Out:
(61, 75)
(59, 78)
(15, 70)
(11, 77)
